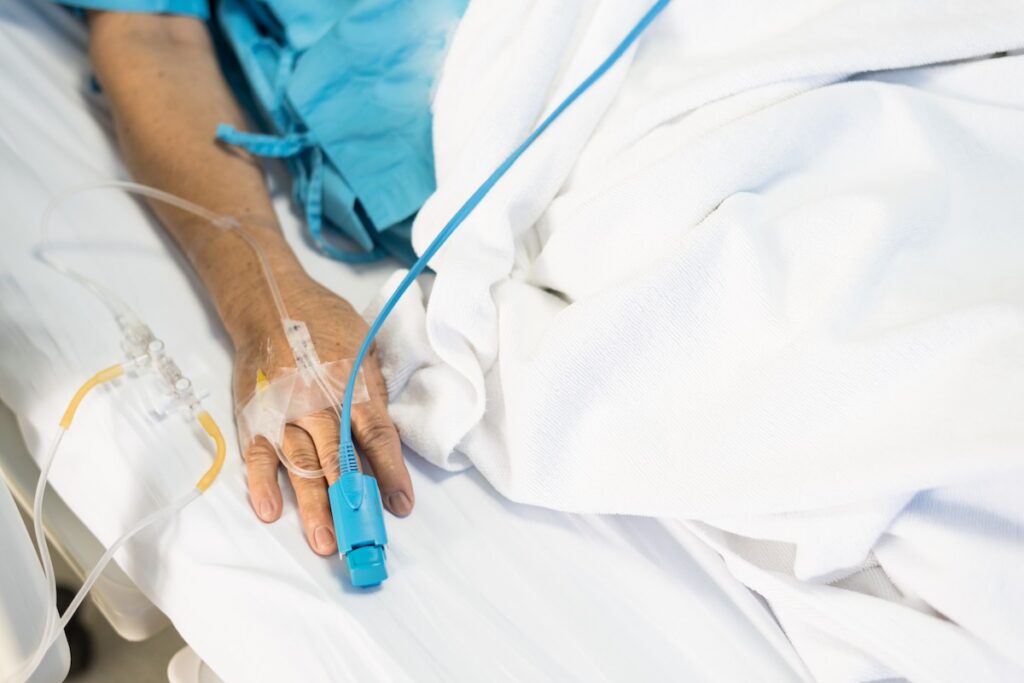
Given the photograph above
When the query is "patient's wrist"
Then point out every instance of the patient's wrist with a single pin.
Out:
(236, 281)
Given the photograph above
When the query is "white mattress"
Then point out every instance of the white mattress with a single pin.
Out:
(481, 588)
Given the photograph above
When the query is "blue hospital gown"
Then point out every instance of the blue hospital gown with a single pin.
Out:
(342, 89)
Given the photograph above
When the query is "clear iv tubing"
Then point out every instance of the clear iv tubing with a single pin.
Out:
(44, 551)
(122, 310)
(53, 627)
(114, 302)
(128, 318)
(346, 450)
(37, 523)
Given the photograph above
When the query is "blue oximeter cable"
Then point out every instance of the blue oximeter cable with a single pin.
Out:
(355, 499)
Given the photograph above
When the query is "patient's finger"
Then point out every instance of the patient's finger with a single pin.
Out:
(378, 439)
(311, 494)
(322, 426)
(261, 473)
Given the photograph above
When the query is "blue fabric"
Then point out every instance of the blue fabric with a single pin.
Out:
(363, 90)
(267, 63)
(302, 22)
(343, 89)
(353, 78)
(193, 8)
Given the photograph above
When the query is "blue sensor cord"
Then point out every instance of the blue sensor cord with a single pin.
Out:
(355, 499)
(347, 449)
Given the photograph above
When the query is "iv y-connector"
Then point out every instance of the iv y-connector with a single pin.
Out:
(144, 349)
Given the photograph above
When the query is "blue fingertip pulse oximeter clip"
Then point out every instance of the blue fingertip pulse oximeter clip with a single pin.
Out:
(359, 524)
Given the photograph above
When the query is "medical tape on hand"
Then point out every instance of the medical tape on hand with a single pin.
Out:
(292, 394)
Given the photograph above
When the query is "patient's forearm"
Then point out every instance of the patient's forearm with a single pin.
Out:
(167, 94)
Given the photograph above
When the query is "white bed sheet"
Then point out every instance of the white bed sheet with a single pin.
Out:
(778, 260)
(481, 588)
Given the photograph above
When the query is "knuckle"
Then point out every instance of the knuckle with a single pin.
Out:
(324, 431)
(299, 448)
(259, 455)
(378, 434)
(303, 457)
(323, 419)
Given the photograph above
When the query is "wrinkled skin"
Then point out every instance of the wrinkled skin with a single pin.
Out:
(311, 442)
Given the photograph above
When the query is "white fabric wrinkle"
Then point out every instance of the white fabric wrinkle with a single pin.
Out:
(766, 277)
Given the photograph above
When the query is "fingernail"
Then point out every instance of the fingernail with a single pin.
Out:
(266, 510)
(399, 503)
(323, 539)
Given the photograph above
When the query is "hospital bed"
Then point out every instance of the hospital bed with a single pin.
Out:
(481, 588)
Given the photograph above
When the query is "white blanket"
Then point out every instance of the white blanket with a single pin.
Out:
(767, 276)
(481, 588)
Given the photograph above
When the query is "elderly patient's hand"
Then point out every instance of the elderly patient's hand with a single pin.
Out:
(337, 331)
(162, 78)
